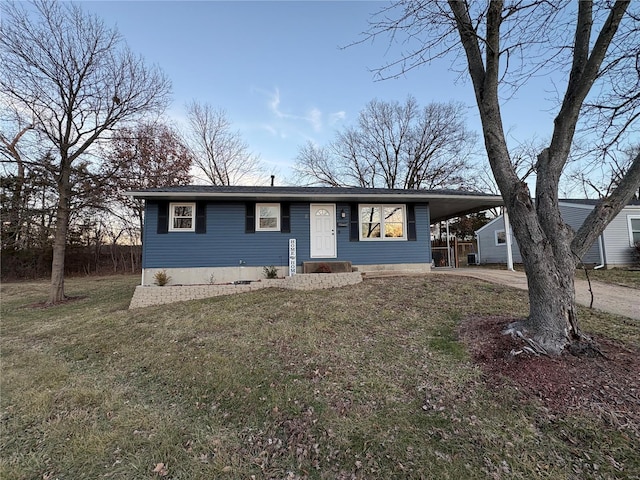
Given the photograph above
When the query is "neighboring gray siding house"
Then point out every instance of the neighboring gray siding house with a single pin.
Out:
(612, 249)
(200, 233)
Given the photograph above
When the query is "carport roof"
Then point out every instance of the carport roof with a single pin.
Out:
(443, 204)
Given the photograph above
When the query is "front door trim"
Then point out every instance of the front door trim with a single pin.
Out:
(322, 234)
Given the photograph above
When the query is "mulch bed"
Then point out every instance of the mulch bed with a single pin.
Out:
(608, 386)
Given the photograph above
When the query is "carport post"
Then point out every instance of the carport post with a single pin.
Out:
(507, 234)
(448, 246)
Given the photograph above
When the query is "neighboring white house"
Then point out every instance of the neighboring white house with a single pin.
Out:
(612, 249)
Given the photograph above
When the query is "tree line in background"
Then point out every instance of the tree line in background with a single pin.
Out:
(105, 226)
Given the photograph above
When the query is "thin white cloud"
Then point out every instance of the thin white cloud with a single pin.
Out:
(269, 128)
(274, 104)
(314, 117)
(337, 117)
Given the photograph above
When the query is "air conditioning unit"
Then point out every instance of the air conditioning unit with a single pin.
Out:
(472, 259)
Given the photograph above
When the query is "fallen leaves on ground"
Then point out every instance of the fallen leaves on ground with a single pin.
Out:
(161, 470)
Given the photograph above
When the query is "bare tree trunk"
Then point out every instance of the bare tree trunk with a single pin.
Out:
(552, 323)
(56, 290)
(17, 212)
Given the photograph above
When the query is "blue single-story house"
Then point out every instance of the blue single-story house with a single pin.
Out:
(205, 234)
(612, 249)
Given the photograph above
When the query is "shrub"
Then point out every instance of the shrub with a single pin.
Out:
(270, 271)
(161, 278)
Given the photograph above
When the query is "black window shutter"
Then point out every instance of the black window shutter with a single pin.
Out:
(412, 234)
(250, 218)
(354, 234)
(201, 217)
(163, 217)
(285, 218)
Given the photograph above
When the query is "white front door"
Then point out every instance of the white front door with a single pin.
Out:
(323, 231)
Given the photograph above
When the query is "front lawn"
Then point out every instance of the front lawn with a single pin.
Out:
(614, 276)
(371, 381)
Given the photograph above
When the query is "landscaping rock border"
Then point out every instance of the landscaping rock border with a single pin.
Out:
(146, 296)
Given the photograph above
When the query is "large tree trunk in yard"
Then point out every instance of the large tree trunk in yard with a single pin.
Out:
(552, 324)
(56, 290)
(545, 244)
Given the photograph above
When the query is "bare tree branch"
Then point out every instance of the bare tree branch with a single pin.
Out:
(219, 152)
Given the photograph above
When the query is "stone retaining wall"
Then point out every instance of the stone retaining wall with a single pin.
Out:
(145, 296)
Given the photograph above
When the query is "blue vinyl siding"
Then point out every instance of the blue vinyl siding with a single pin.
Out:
(225, 242)
(386, 252)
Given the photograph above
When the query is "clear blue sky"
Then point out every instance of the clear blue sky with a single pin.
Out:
(278, 69)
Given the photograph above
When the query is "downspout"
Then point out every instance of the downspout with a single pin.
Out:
(507, 234)
(478, 258)
(601, 245)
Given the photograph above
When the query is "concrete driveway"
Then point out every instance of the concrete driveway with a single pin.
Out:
(615, 299)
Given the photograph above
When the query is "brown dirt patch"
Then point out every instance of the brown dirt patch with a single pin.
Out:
(607, 386)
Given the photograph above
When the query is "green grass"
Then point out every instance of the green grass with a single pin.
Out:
(362, 382)
(615, 276)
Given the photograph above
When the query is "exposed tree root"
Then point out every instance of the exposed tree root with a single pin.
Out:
(578, 345)
(585, 347)
(581, 345)
(532, 346)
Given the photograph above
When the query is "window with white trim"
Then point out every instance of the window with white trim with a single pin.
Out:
(267, 217)
(501, 237)
(634, 229)
(383, 222)
(182, 217)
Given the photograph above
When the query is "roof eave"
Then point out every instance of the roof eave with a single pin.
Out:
(491, 199)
